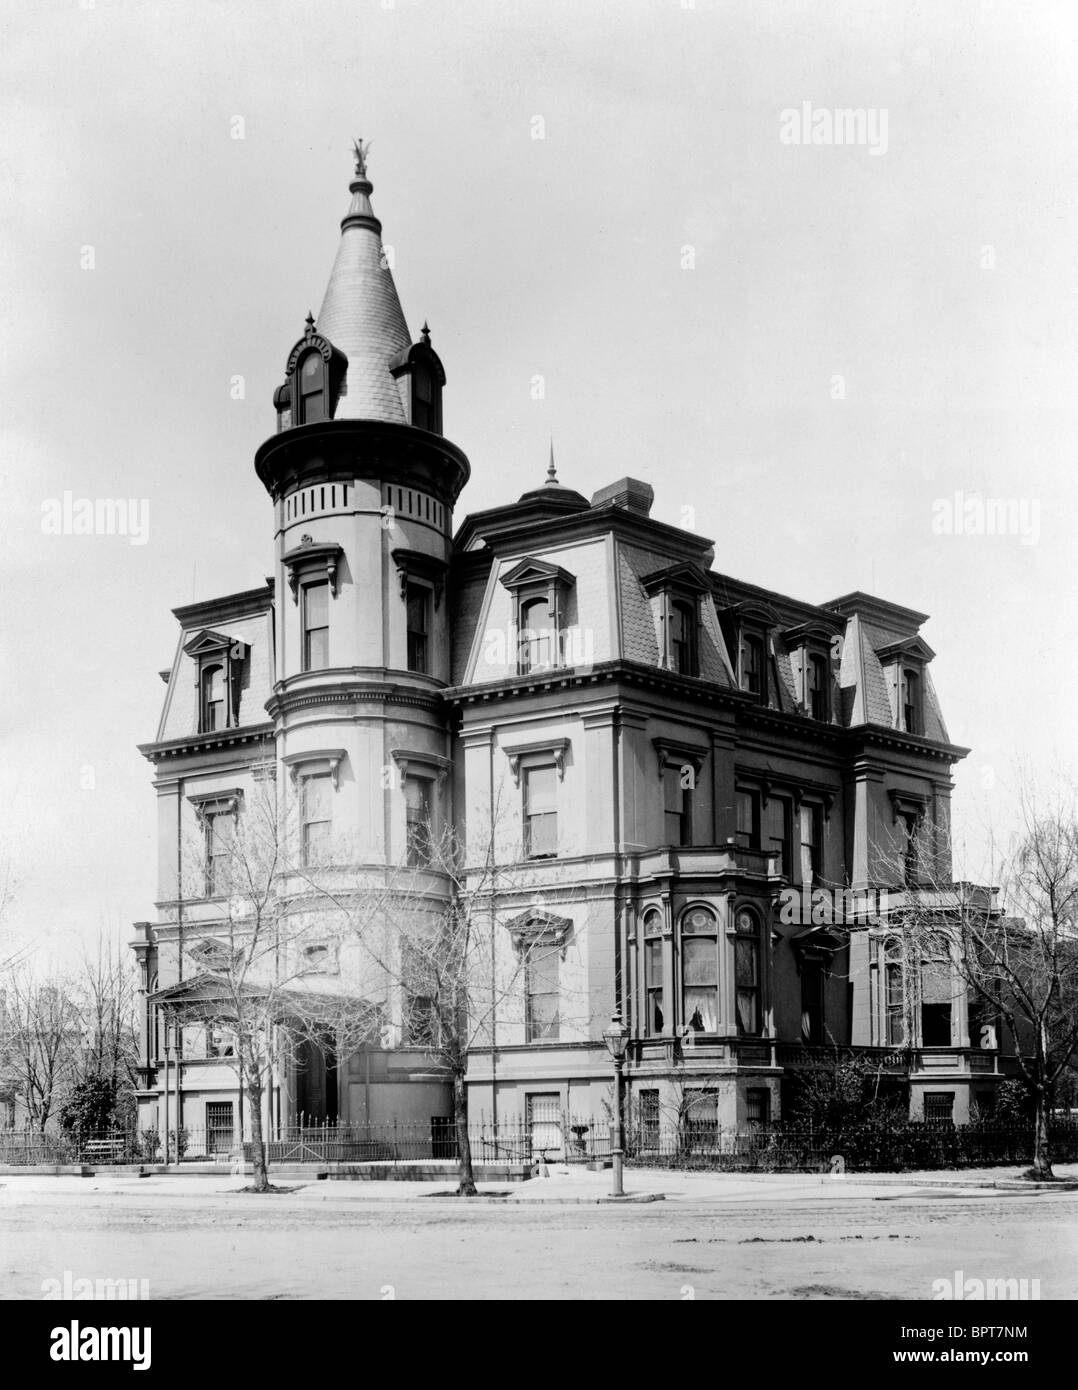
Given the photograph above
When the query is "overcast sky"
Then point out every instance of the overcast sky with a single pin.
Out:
(812, 345)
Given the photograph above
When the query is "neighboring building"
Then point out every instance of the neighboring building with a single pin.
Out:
(657, 752)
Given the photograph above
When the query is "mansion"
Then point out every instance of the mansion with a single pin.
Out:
(675, 772)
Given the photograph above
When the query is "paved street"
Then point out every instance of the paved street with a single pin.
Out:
(714, 1236)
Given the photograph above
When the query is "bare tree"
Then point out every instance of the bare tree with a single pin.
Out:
(1017, 957)
(262, 966)
(106, 994)
(455, 941)
(40, 1036)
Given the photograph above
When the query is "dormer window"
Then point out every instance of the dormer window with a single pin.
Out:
(538, 637)
(912, 719)
(676, 594)
(420, 377)
(314, 377)
(213, 699)
(683, 643)
(219, 661)
(312, 389)
(817, 687)
(752, 676)
(541, 593)
(904, 666)
(810, 646)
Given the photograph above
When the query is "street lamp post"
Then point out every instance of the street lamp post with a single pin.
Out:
(616, 1038)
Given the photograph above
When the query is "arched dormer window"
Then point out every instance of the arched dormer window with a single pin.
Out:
(420, 378)
(213, 699)
(314, 375)
(312, 389)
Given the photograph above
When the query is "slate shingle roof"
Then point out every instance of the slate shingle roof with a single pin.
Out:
(361, 315)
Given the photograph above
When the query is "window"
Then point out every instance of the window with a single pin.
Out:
(753, 678)
(418, 837)
(213, 699)
(747, 974)
(540, 813)
(683, 644)
(778, 819)
(818, 683)
(220, 837)
(317, 818)
(677, 804)
(699, 1119)
(418, 603)
(812, 1003)
(536, 642)
(649, 1119)
(312, 398)
(422, 398)
(937, 991)
(700, 971)
(542, 993)
(748, 819)
(544, 1124)
(811, 844)
(910, 827)
(653, 988)
(418, 1011)
(316, 626)
(939, 1107)
(894, 994)
(758, 1107)
(220, 1041)
(218, 1126)
(911, 702)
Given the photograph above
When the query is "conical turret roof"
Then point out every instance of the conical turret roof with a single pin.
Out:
(361, 314)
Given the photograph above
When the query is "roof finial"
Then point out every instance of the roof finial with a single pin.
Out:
(551, 474)
(426, 332)
(310, 323)
(361, 149)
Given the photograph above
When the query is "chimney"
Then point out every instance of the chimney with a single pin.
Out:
(629, 493)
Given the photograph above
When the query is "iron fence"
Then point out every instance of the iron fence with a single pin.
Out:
(561, 1137)
(861, 1148)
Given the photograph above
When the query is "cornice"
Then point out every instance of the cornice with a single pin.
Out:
(205, 743)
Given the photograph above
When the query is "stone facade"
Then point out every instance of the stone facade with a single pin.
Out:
(679, 769)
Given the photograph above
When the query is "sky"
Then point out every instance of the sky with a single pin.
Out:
(808, 349)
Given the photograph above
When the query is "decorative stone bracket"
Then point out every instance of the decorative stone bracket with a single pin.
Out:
(670, 752)
(317, 760)
(418, 565)
(556, 747)
(311, 557)
(206, 804)
(408, 757)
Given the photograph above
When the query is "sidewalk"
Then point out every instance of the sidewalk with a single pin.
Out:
(573, 1187)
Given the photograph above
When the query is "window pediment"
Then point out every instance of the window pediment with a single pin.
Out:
(685, 576)
(535, 929)
(907, 804)
(417, 762)
(910, 649)
(312, 558)
(313, 762)
(673, 751)
(228, 800)
(416, 564)
(556, 747)
(537, 573)
(210, 643)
